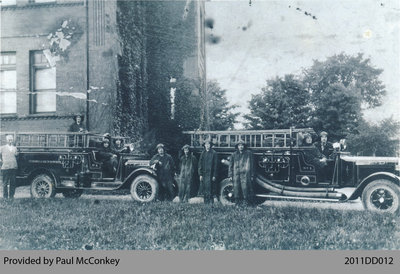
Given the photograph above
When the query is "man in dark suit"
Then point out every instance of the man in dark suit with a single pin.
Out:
(165, 166)
(207, 170)
(241, 172)
(325, 147)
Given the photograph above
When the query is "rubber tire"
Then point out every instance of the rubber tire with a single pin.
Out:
(388, 186)
(46, 181)
(72, 193)
(226, 186)
(151, 181)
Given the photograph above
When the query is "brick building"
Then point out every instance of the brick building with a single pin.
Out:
(94, 57)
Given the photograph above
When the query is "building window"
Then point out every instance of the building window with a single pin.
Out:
(43, 84)
(8, 83)
(8, 2)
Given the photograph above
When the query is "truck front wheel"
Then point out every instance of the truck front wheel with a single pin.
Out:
(42, 186)
(144, 188)
(226, 193)
(381, 196)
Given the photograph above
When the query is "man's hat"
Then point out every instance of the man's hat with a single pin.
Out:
(115, 139)
(323, 133)
(159, 145)
(307, 135)
(79, 115)
(186, 146)
(241, 142)
(208, 141)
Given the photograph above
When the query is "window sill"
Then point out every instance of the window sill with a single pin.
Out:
(42, 5)
(38, 116)
(8, 115)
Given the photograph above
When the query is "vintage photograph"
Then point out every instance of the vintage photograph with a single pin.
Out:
(199, 125)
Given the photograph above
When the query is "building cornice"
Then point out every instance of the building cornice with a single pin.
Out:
(41, 5)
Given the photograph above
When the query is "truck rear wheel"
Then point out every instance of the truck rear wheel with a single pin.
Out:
(381, 196)
(226, 193)
(42, 186)
(144, 188)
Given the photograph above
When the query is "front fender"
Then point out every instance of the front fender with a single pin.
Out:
(378, 175)
(138, 171)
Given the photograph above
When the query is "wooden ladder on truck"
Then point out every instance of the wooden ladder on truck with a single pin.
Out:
(49, 139)
(271, 138)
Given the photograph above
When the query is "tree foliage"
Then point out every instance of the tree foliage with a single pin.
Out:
(375, 139)
(221, 113)
(353, 72)
(337, 110)
(329, 96)
(188, 106)
(283, 103)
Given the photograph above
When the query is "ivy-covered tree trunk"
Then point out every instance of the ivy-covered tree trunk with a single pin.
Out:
(171, 40)
(132, 94)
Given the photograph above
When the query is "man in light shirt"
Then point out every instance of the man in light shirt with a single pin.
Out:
(8, 159)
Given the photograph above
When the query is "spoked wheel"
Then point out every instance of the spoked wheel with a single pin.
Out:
(144, 188)
(381, 196)
(42, 186)
(226, 193)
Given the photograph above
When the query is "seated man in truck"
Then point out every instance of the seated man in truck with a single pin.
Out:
(314, 157)
(109, 159)
(119, 146)
(324, 147)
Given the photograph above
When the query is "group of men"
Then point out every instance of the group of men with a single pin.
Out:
(241, 172)
(241, 169)
(108, 154)
(241, 166)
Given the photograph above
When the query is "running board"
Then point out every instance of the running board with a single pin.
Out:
(106, 185)
(298, 198)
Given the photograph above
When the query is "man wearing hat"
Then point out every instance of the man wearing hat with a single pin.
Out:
(165, 167)
(313, 155)
(118, 145)
(208, 162)
(325, 147)
(188, 167)
(109, 159)
(241, 172)
(77, 126)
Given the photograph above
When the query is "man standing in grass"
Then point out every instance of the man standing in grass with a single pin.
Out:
(208, 172)
(164, 164)
(241, 172)
(9, 167)
(188, 167)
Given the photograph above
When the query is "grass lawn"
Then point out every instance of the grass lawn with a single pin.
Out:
(71, 224)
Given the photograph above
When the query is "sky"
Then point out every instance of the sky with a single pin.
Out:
(265, 39)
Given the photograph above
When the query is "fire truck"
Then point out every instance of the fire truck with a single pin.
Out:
(282, 169)
(68, 163)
